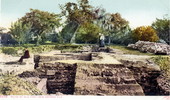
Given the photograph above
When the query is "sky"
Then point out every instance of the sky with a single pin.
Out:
(137, 12)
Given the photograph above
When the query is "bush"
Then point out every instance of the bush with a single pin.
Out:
(11, 50)
(38, 49)
(67, 46)
(145, 33)
(32, 49)
(41, 48)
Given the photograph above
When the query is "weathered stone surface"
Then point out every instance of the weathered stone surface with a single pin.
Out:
(146, 74)
(151, 47)
(163, 85)
(33, 77)
(101, 49)
(106, 81)
(28, 74)
(60, 76)
(63, 56)
(97, 77)
(42, 85)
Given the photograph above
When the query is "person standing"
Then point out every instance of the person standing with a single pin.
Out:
(101, 40)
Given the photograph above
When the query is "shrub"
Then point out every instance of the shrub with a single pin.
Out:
(11, 50)
(145, 33)
(32, 49)
(67, 46)
(38, 49)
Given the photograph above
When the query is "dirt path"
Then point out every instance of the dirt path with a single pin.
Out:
(9, 64)
(106, 58)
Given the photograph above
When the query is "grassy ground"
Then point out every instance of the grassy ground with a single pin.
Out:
(13, 85)
(13, 50)
(129, 51)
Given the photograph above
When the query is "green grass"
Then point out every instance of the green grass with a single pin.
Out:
(39, 49)
(164, 63)
(126, 50)
(13, 85)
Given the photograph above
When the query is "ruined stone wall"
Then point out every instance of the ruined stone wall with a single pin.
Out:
(60, 77)
(105, 79)
(86, 77)
(62, 56)
(145, 74)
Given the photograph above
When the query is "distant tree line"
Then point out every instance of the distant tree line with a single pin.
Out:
(82, 25)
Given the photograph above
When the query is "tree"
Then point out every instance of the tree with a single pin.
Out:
(162, 26)
(88, 33)
(76, 14)
(116, 27)
(42, 22)
(120, 30)
(145, 33)
(20, 31)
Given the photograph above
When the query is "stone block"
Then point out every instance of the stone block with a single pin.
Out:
(42, 85)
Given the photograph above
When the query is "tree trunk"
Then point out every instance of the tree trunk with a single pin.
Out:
(73, 39)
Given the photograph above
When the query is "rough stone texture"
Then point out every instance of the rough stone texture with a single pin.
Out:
(100, 49)
(151, 47)
(60, 76)
(164, 85)
(42, 85)
(62, 56)
(28, 74)
(96, 77)
(33, 77)
(146, 74)
(105, 79)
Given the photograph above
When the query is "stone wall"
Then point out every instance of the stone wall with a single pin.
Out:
(60, 77)
(105, 79)
(86, 77)
(163, 85)
(145, 74)
(62, 56)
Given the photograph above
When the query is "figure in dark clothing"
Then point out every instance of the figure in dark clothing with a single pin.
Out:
(25, 56)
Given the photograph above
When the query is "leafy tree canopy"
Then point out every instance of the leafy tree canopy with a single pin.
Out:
(145, 33)
(80, 12)
(162, 26)
(41, 22)
(20, 31)
(88, 33)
